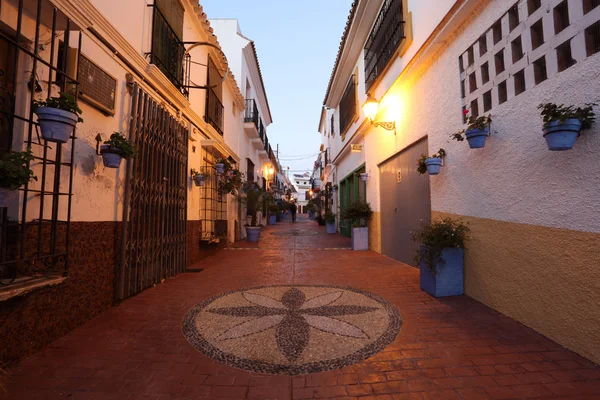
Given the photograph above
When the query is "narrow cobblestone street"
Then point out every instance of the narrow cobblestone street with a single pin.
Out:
(453, 348)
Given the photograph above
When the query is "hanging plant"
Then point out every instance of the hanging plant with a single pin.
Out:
(477, 131)
(431, 165)
(14, 173)
(232, 181)
(57, 117)
(115, 149)
(563, 124)
(197, 177)
(222, 165)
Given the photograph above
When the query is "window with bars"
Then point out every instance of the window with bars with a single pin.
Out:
(384, 40)
(348, 109)
(96, 86)
(249, 170)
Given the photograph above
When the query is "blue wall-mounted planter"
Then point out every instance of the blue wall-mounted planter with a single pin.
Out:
(477, 137)
(272, 220)
(448, 281)
(433, 165)
(561, 137)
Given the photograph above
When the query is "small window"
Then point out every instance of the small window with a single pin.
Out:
(483, 45)
(472, 83)
(533, 5)
(487, 101)
(462, 89)
(513, 17)
(485, 73)
(460, 64)
(474, 109)
(497, 31)
(502, 93)
(537, 34)
(539, 70)
(592, 39)
(499, 61)
(519, 82)
(589, 5)
(561, 17)
(564, 57)
(470, 56)
(517, 49)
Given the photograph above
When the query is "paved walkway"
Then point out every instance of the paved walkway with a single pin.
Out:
(451, 348)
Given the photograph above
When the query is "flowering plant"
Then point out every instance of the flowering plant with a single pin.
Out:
(232, 181)
(480, 123)
(436, 236)
(422, 167)
(552, 112)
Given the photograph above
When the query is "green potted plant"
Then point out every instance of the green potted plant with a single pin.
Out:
(115, 149)
(440, 257)
(311, 209)
(477, 132)
(330, 222)
(273, 210)
(563, 124)
(253, 197)
(359, 213)
(431, 165)
(57, 117)
(197, 177)
(14, 173)
(232, 181)
(222, 165)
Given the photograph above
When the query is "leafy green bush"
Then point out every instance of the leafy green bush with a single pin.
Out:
(14, 172)
(118, 142)
(480, 123)
(329, 217)
(65, 101)
(436, 236)
(253, 198)
(552, 112)
(358, 213)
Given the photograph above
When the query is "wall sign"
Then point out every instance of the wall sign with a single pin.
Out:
(356, 148)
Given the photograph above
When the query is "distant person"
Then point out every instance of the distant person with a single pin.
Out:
(293, 210)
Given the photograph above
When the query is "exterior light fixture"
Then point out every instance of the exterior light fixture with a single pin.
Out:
(310, 192)
(371, 108)
(271, 170)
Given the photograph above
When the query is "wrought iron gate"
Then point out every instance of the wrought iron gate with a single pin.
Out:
(154, 230)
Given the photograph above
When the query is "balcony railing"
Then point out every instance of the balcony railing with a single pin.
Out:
(214, 111)
(168, 52)
(261, 132)
(251, 113)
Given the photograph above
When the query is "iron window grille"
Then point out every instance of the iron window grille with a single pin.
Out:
(261, 131)
(249, 170)
(96, 86)
(168, 52)
(384, 40)
(348, 109)
(213, 200)
(332, 125)
(251, 113)
(35, 227)
(214, 111)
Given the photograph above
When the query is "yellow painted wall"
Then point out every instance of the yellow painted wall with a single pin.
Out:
(545, 278)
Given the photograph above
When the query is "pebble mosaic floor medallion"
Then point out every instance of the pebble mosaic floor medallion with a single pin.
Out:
(292, 329)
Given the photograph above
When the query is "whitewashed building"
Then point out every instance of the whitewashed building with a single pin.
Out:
(533, 213)
(303, 187)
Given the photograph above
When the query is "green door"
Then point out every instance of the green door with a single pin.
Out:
(352, 188)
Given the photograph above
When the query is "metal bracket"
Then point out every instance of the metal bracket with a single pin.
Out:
(390, 126)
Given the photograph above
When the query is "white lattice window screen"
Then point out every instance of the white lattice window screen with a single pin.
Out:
(539, 44)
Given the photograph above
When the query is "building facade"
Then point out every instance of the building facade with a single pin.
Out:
(303, 187)
(531, 212)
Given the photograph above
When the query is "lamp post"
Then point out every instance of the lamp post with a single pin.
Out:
(371, 108)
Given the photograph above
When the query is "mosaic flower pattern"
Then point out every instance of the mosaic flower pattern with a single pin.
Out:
(292, 329)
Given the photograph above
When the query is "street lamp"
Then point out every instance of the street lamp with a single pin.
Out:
(371, 108)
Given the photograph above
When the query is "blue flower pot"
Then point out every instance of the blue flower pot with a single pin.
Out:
(330, 227)
(110, 156)
(272, 220)
(311, 216)
(433, 165)
(562, 136)
(477, 137)
(220, 168)
(448, 278)
(253, 233)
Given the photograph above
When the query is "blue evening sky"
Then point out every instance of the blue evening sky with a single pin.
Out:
(297, 42)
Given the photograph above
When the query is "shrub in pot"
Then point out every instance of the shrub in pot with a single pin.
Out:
(563, 124)
(273, 210)
(14, 173)
(359, 213)
(253, 198)
(330, 222)
(57, 117)
(431, 165)
(197, 177)
(320, 220)
(478, 130)
(115, 149)
(440, 257)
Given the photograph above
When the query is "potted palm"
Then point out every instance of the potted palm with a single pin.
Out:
(359, 213)
(14, 173)
(57, 117)
(477, 132)
(253, 198)
(330, 222)
(115, 149)
(431, 165)
(440, 257)
(197, 177)
(563, 124)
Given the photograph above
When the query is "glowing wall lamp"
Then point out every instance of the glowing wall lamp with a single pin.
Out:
(371, 108)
